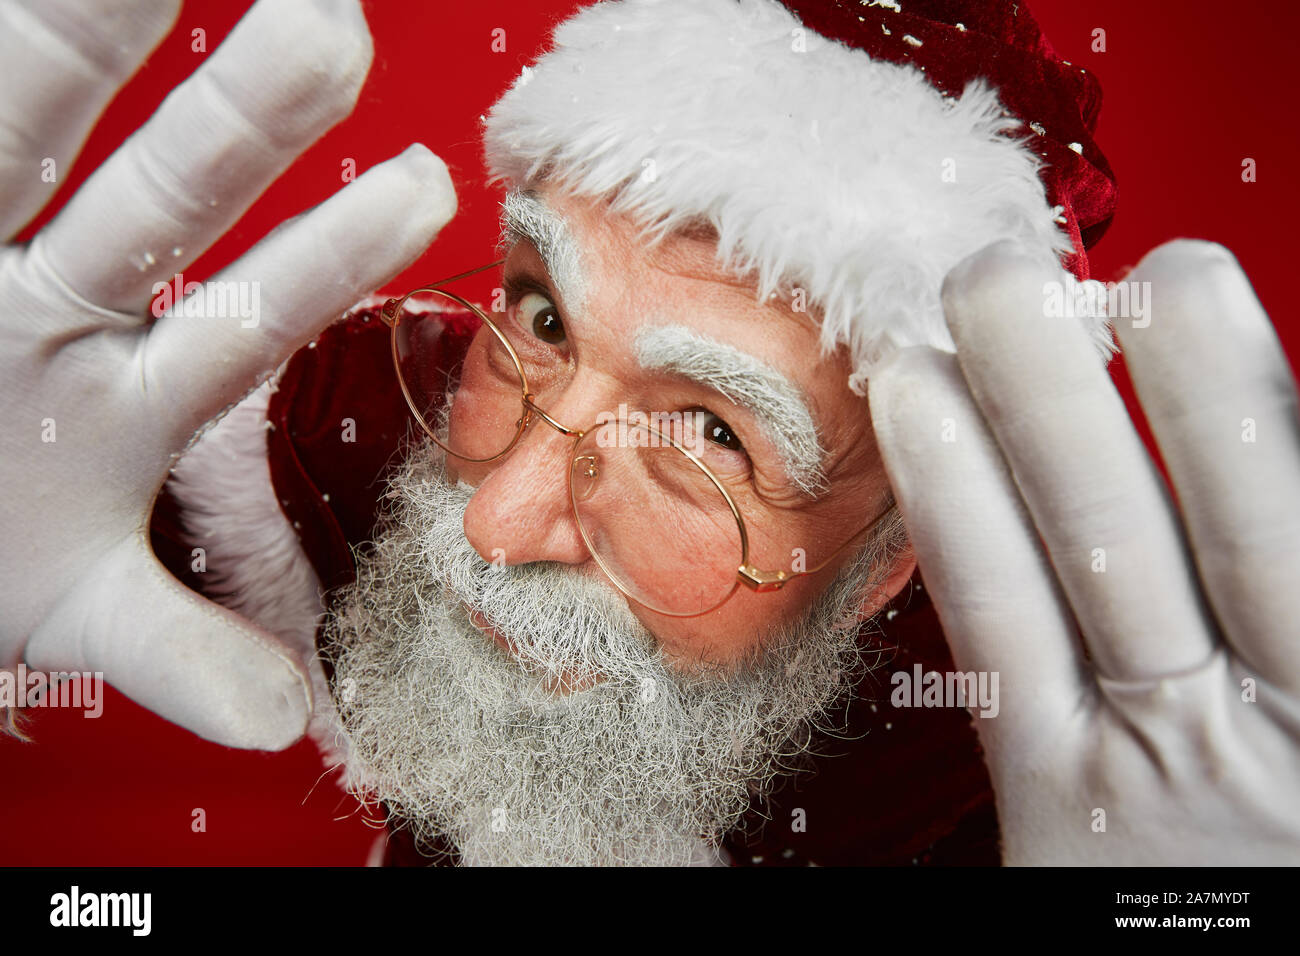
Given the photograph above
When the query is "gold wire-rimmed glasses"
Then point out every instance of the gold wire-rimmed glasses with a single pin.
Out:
(623, 480)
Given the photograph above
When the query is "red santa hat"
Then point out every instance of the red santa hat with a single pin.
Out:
(854, 149)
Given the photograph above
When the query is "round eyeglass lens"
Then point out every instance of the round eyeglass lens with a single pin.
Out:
(654, 519)
(460, 379)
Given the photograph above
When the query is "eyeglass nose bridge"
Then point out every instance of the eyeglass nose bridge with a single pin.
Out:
(532, 408)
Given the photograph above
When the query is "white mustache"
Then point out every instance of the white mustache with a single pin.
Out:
(561, 622)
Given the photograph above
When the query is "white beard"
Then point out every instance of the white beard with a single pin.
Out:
(461, 740)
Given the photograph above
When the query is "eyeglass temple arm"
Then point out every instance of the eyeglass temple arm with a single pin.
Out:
(390, 313)
(760, 581)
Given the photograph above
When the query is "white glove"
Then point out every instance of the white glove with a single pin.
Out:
(1127, 701)
(99, 399)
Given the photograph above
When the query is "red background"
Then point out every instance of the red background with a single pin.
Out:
(1191, 88)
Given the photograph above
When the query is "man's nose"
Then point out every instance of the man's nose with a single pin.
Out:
(521, 511)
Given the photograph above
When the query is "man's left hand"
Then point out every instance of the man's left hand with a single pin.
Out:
(1147, 651)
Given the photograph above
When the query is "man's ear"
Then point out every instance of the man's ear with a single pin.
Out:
(900, 572)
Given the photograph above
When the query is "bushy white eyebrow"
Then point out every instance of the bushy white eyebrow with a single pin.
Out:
(525, 216)
(778, 403)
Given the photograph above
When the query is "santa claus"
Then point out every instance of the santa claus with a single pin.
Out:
(791, 298)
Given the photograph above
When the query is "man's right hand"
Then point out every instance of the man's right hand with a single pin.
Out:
(99, 398)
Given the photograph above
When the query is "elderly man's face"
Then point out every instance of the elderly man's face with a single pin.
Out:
(524, 709)
(792, 443)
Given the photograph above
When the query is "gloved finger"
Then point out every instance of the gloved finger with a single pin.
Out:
(61, 61)
(181, 656)
(996, 595)
(289, 71)
(293, 283)
(1220, 397)
(1092, 489)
